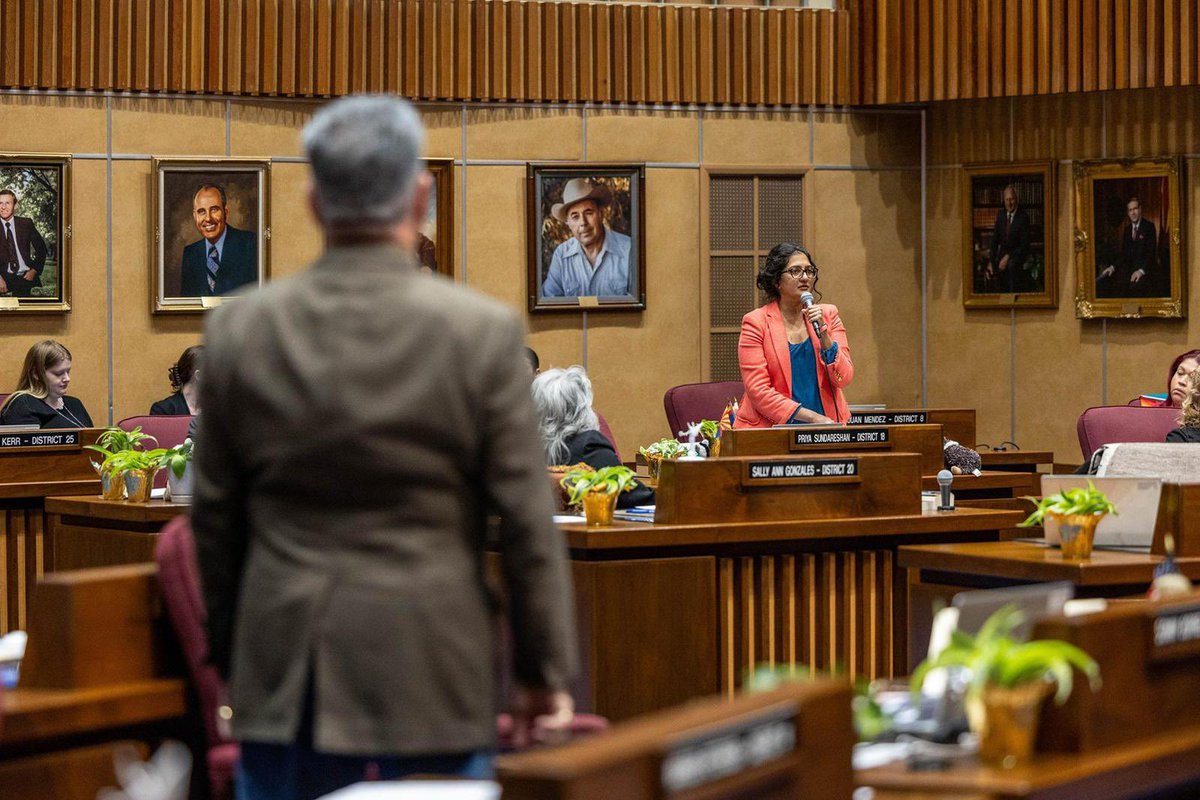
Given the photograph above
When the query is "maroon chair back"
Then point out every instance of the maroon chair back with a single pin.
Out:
(1109, 424)
(168, 430)
(692, 402)
(179, 576)
(608, 434)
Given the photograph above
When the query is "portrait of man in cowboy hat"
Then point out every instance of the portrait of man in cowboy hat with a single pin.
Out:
(595, 260)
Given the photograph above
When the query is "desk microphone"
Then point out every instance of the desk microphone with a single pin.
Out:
(944, 479)
(807, 299)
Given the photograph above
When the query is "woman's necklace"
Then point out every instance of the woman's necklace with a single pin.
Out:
(66, 412)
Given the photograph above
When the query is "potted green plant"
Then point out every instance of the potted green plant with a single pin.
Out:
(111, 441)
(137, 468)
(177, 461)
(1008, 682)
(1076, 512)
(663, 448)
(597, 491)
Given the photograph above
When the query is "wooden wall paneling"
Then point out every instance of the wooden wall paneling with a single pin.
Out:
(808, 42)
(161, 40)
(867, 51)
(1087, 50)
(551, 71)
(726, 624)
(966, 48)
(1137, 33)
(1028, 82)
(940, 27)
(637, 54)
(1072, 50)
(773, 69)
(1104, 44)
(1187, 42)
(983, 23)
(909, 61)
(689, 45)
(306, 58)
(375, 47)
(1152, 44)
(337, 27)
(1043, 36)
(619, 89)
(253, 46)
(883, 47)
(85, 37)
(286, 49)
(603, 56)
(1170, 43)
(531, 54)
(350, 41)
(1012, 48)
(462, 45)
(924, 56)
(996, 48)
(66, 48)
(739, 79)
(706, 55)
(233, 64)
(105, 49)
(211, 71)
(824, 57)
(722, 46)
(842, 31)
(569, 65)
(848, 83)
(654, 54)
(517, 44)
(1121, 48)
(896, 47)
(410, 62)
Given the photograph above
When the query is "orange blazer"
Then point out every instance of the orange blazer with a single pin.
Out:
(767, 369)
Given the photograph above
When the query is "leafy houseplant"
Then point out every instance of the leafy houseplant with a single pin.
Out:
(663, 448)
(1077, 512)
(179, 479)
(1008, 681)
(109, 443)
(597, 491)
(138, 468)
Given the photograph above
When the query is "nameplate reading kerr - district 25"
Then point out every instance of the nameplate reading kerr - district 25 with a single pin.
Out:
(38, 439)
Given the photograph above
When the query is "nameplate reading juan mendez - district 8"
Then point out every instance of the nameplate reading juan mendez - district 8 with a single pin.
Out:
(889, 418)
(798, 472)
(38, 439)
(802, 439)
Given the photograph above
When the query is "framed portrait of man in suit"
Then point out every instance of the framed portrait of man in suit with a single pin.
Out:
(210, 231)
(1008, 236)
(1129, 238)
(435, 242)
(586, 243)
(35, 233)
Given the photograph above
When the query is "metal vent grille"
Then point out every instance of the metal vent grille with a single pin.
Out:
(724, 361)
(731, 289)
(780, 211)
(731, 204)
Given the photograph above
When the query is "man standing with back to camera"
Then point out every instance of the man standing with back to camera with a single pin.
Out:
(360, 422)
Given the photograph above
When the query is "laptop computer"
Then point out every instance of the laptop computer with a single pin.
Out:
(1136, 500)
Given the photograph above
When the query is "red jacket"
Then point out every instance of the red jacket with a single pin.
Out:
(767, 369)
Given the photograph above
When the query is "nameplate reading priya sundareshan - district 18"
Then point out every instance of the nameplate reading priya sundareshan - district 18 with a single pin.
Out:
(799, 471)
(859, 437)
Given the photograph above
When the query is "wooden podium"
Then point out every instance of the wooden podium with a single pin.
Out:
(789, 743)
(774, 560)
(925, 440)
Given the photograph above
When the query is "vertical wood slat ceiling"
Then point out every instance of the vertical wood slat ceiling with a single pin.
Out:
(505, 50)
(918, 51)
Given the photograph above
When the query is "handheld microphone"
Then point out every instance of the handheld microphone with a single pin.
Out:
(807, 299)
(944, 479)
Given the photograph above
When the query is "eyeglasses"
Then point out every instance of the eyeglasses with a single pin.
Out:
(796, 272)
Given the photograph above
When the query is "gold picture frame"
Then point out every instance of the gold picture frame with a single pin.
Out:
(1128, 221)
(241, 187)
(41, 225)
(1009, 253)
(435, 248)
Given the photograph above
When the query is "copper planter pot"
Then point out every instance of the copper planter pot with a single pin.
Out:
(1006, 722)
(598, 508)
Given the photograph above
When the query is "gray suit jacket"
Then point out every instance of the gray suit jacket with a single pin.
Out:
(360, 421)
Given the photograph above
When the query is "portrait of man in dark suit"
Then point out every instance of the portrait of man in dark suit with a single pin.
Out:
(224, 258)
(1010, 246)
(22, 249)
(1135, 272)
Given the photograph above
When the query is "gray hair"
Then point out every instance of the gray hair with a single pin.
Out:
(365, 152)
(563, 401)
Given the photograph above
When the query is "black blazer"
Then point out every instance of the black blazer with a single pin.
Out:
(239, 264)
(1184, 435)
(25, 409)
(174, 406)
(593, 449)
(33, 252)
(1011, 241)
(1140, 253)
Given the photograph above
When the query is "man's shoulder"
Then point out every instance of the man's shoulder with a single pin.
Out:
(619, 242)
(240, 236)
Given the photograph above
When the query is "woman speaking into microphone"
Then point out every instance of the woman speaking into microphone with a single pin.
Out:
(793, 353)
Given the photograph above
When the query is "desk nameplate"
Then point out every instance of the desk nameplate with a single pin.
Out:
(859, 438)
(729, 750)
(1175, 633)
(40, 440)
(890, 418)
(799, 472)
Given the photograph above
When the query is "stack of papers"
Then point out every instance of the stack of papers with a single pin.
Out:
(635, 514)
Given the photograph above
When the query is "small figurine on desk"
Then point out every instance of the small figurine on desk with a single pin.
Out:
(1168, 580)
(697, 442)
(959, 459)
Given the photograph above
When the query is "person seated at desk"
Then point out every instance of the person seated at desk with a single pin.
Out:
(1178, 380)
(41, 397)
(1189, 418)
(570, 431)
(185, 381)
(795, 360)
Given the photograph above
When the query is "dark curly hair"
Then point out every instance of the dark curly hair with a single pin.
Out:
(774, 265)
(183, 370)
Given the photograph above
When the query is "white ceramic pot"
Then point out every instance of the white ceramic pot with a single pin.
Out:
(179, 490)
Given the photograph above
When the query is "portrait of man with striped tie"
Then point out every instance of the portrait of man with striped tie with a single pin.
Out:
(225, 258)
(211, 232)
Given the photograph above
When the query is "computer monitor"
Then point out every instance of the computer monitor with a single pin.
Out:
(1136, 501)
(1037, 601)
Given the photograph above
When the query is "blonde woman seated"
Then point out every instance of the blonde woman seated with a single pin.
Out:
(570, 431)
(1189, 418)
(41, 397)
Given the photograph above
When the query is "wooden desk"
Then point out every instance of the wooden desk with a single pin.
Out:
(988, 485)
(89, 531)
(1016, 460)
(1167, 762)
(28, 475)
(935, 573)
(668, 613)
(957, 423)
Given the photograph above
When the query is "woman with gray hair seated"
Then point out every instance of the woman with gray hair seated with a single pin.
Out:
(570, 431)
